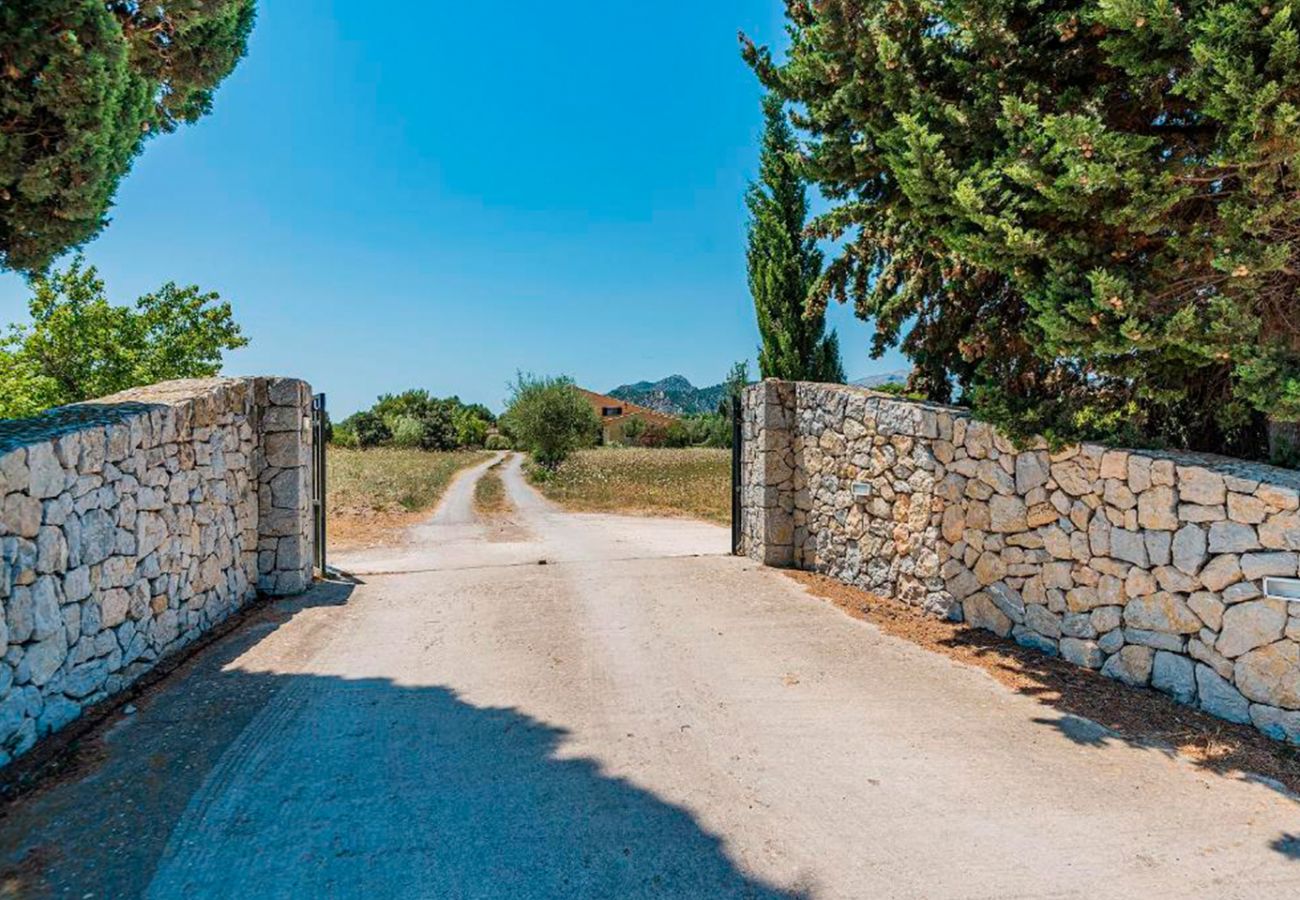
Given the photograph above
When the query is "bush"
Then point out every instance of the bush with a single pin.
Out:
(370, 429)
(633, 429)
(549, 418)
(496, 442)
(344, 435)
(471, 429)
(408, 432)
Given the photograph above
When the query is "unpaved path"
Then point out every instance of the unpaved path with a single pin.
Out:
(641, 716)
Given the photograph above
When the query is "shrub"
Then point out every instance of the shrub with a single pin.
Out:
(496, 442)
(370, 429)
(471, 429)
(344, 435)
(633, 429)
(549, 418)
(408, 432)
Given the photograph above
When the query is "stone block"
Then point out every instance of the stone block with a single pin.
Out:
(1131, 665)
(1175, 675)
(1250, 625)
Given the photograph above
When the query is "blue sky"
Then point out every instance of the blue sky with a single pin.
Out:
(443, 193)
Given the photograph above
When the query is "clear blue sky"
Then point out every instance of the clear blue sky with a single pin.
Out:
(439, 193)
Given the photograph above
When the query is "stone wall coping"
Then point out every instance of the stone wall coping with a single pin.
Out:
(115, 409)
(1223, 465)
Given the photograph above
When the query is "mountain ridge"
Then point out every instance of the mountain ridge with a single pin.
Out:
(674, 395)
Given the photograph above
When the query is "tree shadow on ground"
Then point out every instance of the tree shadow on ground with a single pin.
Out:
(1288, 845)
(237, 783)
(1096, 711)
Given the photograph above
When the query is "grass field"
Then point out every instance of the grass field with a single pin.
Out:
(373, 493)
(694, 482)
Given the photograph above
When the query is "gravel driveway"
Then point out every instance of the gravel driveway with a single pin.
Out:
(641, 716)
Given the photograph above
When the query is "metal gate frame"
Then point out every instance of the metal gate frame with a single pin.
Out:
(737, 448)
(319, 420)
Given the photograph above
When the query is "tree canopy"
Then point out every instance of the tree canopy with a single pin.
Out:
(1081, 216)
(417, 419)
(83, 85)
(784, 263)
(79, 346)
(549, 418)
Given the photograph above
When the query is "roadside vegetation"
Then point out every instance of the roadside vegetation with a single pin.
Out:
(694, 482)
(490, 497)
(548, 418)
(373, 494)
(416, 420)
(80, 346)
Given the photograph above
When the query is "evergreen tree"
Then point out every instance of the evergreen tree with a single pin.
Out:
(83, 84)
(1085, 215)
(784, 263)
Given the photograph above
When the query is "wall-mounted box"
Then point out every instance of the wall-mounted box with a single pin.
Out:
(1282, 588)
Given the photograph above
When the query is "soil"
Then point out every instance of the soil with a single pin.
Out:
(1138, 716)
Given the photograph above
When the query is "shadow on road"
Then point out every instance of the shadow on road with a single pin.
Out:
(231, 783)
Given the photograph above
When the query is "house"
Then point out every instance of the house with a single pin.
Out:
(615, 414)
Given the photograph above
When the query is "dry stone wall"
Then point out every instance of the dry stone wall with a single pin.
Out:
(131, 525)
(1147, 566)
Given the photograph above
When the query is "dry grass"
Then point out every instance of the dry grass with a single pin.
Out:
(374, 494)
(694, 482)
(490, 493)
(1135, 716)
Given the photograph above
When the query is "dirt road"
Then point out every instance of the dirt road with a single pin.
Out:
(640, 716)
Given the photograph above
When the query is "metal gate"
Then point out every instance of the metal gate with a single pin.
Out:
(737, 448)
(319, 433)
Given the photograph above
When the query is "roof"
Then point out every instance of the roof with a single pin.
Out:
(630, 410)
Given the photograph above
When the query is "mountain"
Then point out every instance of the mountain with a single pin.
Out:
(674, 395)
(881, 378)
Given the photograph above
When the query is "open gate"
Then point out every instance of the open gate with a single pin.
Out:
(319, 435)
(737, 449)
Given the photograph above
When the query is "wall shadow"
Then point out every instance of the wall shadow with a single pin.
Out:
(230, 783)
(1100, 712)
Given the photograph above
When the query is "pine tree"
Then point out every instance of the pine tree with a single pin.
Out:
(1084, 216)
(784, 263)
(83, 84)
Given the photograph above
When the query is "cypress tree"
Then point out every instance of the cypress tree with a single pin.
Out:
(83, 84)
(784, 263)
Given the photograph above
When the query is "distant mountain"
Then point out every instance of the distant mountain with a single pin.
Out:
(880, 378)
(673, 395)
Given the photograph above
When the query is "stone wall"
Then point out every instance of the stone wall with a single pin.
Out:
(131, 525)
(1147, 566)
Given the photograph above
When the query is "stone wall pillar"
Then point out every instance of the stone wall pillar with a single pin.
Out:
(768, 473)
(284, 466)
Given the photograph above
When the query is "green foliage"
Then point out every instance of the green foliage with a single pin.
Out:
(408, 432)
(344, 435)
(634, 429)
(83, 85)
(737, 380)
(370, 429)
(471, 428)
(417, 419)
(497, 442)
(79, 346)
(549, 418)
(1084, 216)
(784, 264)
